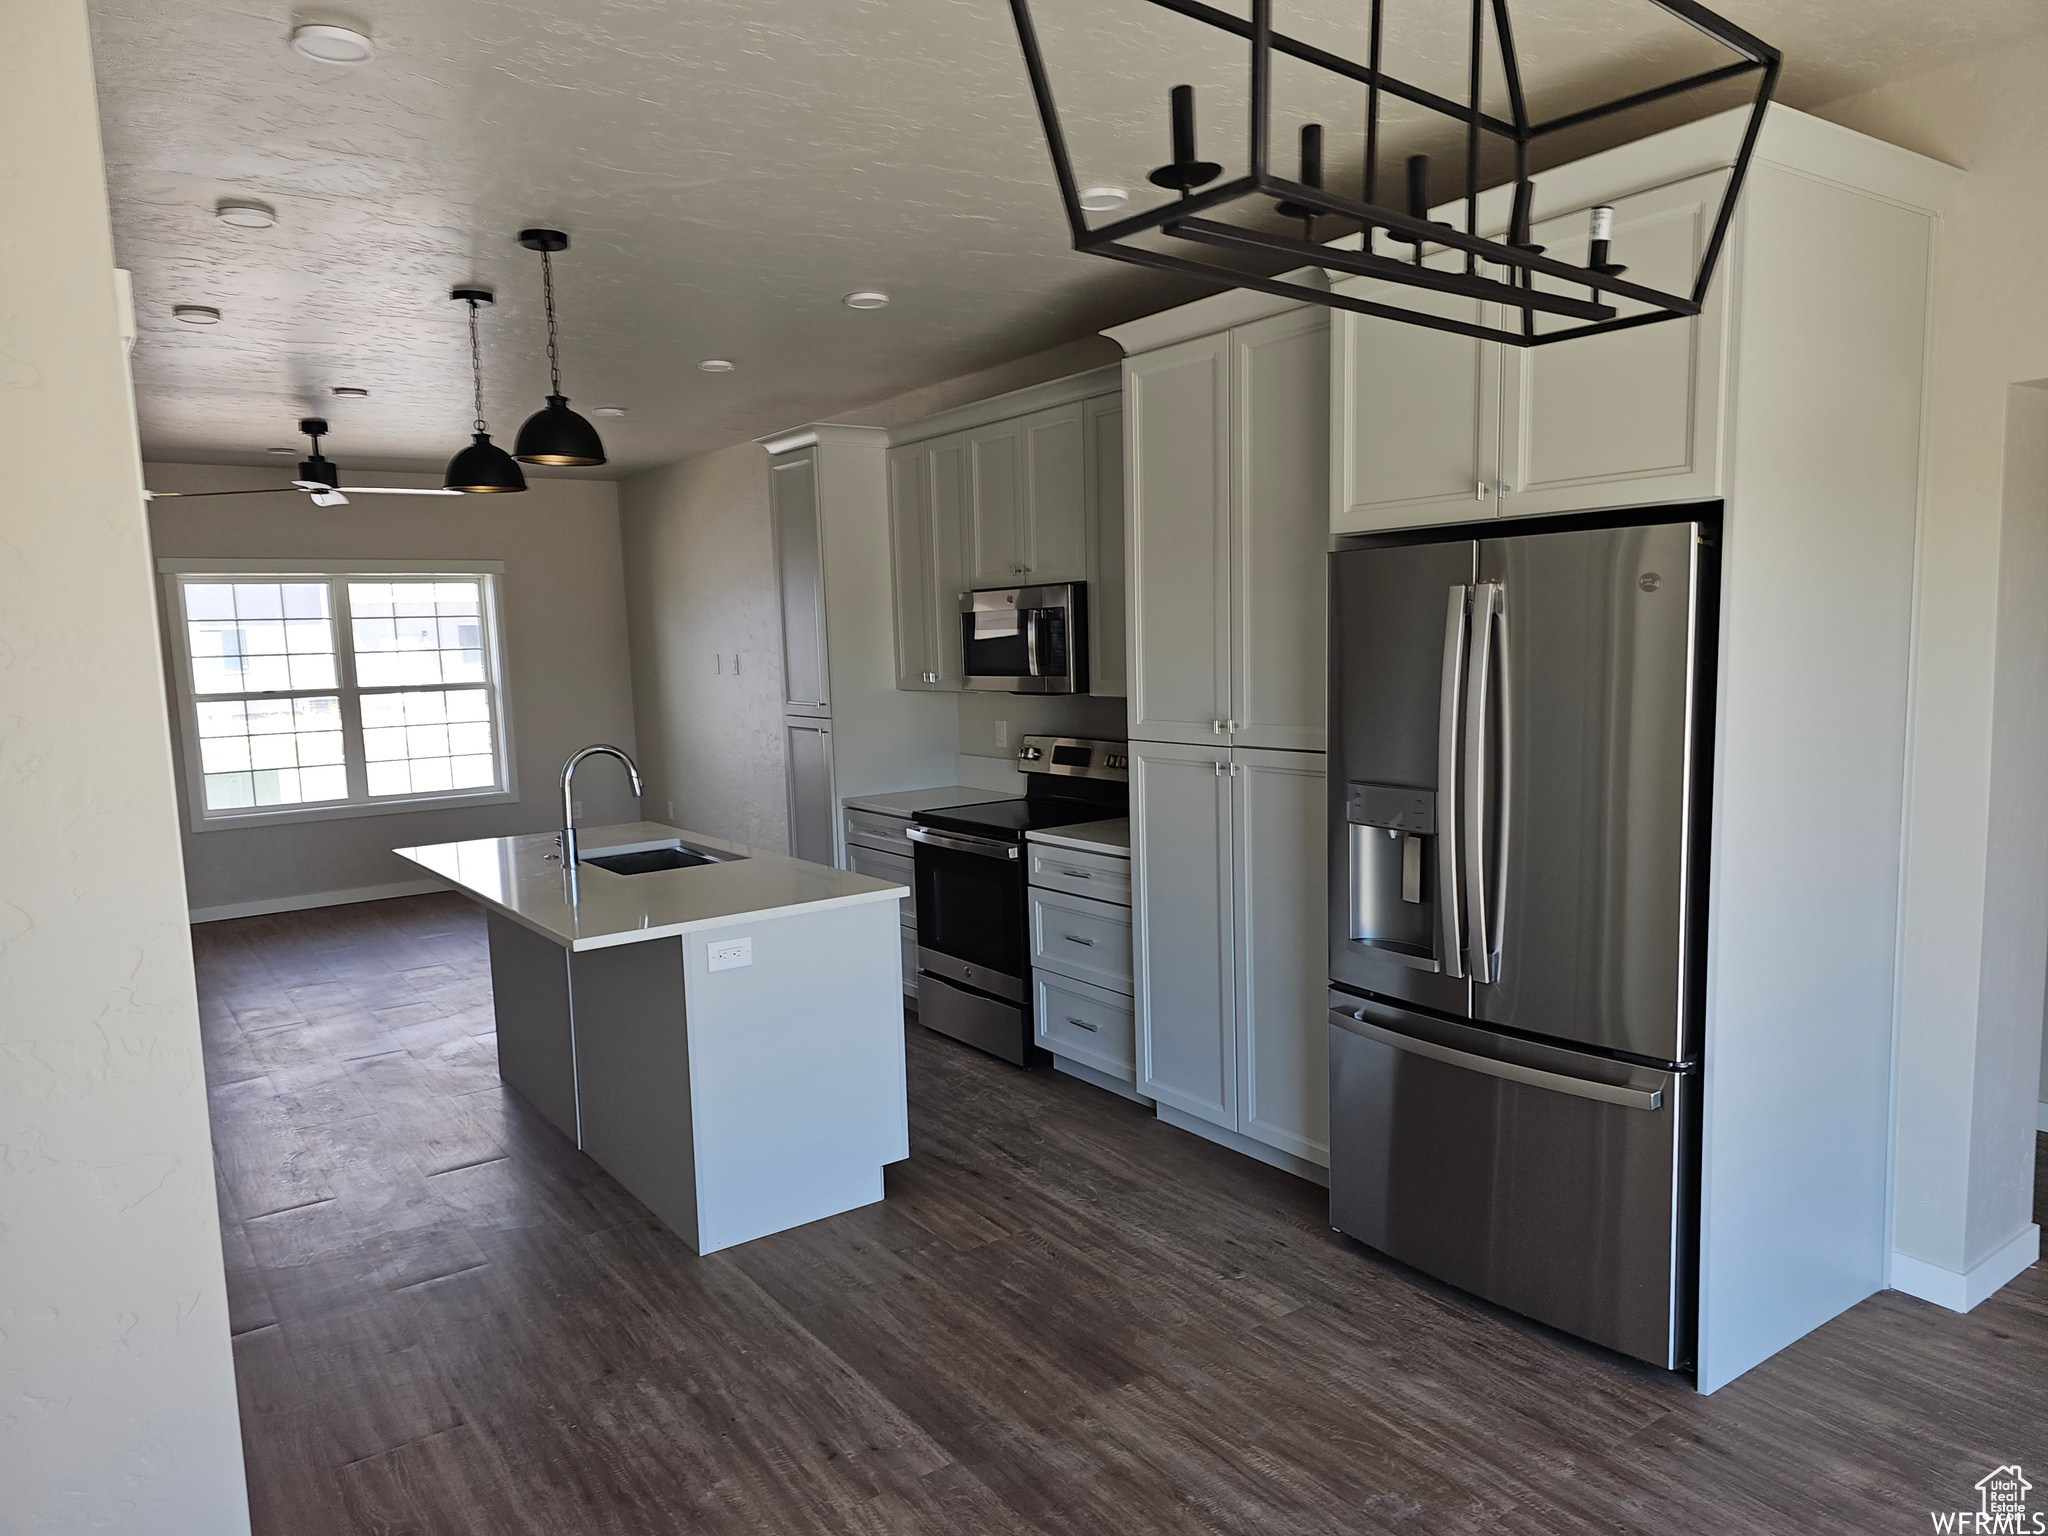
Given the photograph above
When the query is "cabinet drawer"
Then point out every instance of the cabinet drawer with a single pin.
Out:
(1086, 940)
(1085, 1023)
(1103, 876)
(871, 829)
(877, 865)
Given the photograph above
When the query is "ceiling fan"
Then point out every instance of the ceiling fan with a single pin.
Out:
(318, 477)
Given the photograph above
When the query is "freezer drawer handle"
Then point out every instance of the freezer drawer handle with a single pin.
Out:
(1514, 1072)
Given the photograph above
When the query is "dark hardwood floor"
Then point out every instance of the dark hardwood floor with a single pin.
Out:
(1066, 1317)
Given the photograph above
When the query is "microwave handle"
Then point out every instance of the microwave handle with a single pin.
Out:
(1031, 617)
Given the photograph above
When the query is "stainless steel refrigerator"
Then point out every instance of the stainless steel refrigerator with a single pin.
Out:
(1517, 735)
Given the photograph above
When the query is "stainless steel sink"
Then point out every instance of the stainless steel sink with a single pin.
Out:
(647, 861)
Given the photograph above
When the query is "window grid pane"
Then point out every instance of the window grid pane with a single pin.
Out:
(429, 741)
(278, 636)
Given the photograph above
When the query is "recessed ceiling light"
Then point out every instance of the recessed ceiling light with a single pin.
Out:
(715, 365)
(350, 392)
(1103, 199)
(867, 298)
(332, 45)
(196, 314)
(282, 453)
(243, 214)
(608, 410)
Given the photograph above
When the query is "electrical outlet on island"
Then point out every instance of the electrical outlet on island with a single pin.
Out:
(1002, 735)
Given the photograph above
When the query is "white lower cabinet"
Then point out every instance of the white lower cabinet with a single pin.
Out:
(1083, 1022)
(1228, 939)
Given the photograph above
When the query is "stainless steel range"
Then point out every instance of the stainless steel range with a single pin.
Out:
(973, 912)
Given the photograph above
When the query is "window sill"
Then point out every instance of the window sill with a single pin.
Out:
(283, 814)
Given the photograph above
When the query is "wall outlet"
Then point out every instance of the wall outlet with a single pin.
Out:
(1002, 735)
(731, 954)
(576, 809)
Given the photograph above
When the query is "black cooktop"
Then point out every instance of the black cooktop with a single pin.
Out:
(1011, 819)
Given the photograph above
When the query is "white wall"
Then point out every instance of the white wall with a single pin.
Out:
(117, 1392)
(566, 669)
(1969, 1024)
(700, 591)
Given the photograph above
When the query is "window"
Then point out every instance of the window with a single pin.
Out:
(310, 693)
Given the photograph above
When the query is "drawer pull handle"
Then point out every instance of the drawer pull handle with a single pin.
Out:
(1075, 938)
(1078, 874)
(1081, 1024)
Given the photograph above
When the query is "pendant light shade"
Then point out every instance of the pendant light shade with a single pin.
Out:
(554, 434)
(483, 466)
(557, 435)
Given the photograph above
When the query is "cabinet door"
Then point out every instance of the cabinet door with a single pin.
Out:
(1177, 496)
(1053, 539)
(1280, 530)
(800, 577)
(1634, 416)
(995, 490)
(1279, 898)
(910, 559)
(1182, 952)
(946, 484)
(808, 762)
(1414, 413)
(1103, 465)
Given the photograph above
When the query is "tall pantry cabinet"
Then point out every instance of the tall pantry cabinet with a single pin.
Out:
(847, 729)
(1226, 454)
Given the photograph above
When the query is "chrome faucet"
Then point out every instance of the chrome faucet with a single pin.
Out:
(568, 838)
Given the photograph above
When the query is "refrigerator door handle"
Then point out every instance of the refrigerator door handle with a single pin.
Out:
(1511, 1071)
(1447, 780)
(1503, 786)
(1478, 686)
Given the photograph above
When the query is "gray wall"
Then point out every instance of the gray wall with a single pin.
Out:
(700, 591)
(117, 1389)
(566, 669)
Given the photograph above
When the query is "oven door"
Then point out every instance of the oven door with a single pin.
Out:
(1024, 640)
(970, 911)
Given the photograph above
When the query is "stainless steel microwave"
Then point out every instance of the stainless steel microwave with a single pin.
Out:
(1026, 639)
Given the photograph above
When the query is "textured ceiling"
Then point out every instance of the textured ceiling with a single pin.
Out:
(727, 169)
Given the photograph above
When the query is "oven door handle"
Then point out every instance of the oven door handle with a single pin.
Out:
(960, 842)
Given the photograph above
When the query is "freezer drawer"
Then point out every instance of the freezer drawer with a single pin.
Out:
(1548, 1181)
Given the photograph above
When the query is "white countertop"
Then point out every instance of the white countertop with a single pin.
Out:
(1111, 837)
(514, 877)
(908, 802)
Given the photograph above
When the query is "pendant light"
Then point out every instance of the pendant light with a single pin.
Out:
(555, 434)
(482, 466)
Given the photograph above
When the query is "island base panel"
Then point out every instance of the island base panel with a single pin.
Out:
(536, 1036)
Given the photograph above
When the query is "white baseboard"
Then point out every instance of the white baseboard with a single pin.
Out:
(316, 899)
(1286, 1162)
(1962, 1292)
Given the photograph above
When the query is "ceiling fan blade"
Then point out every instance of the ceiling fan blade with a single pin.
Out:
(326, 497)
(400, 490)
(258, 490)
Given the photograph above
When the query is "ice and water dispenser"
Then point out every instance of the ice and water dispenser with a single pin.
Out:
(1394, 872)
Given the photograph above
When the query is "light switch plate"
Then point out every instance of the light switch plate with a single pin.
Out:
(1002, 735)
(731, 954)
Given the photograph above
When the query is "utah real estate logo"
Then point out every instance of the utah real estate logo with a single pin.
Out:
(2001, 1509)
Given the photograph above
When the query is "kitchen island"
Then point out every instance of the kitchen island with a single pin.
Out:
(725, 1038)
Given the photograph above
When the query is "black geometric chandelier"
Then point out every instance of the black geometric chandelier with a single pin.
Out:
(1201, 221)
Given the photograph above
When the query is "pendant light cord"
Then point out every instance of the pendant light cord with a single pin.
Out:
(476, 368)
(547, 281)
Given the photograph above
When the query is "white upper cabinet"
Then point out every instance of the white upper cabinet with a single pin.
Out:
(1634, 416)
(910, 556)
(800, 575)
(1177, 475)
(1415, 413)
(1108, 644)
(995, 494)
(946, 484)
(1053, 535)
(1433, 428)
(1279, 539)
(1228, 437)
